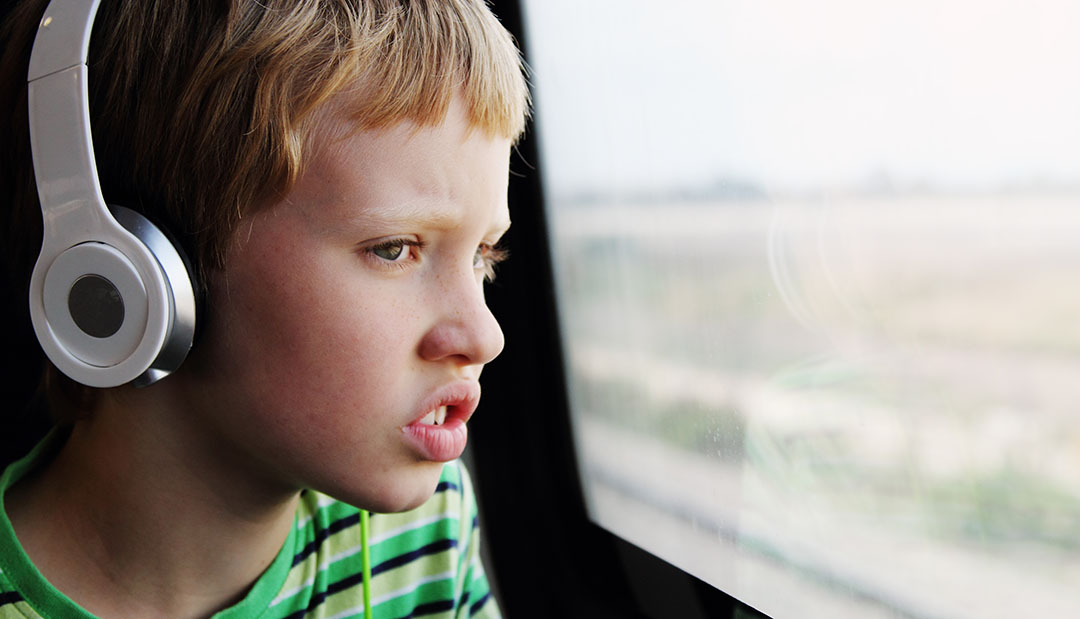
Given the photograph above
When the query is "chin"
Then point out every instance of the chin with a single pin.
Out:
(397, 493)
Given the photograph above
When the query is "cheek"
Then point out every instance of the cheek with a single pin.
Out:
(300, 337)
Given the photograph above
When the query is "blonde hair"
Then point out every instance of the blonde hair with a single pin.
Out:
(205, 110)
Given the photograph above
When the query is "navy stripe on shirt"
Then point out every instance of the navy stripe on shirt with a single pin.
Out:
(447, 485)
(11, 597)
(430, 609)
(432, 548)
(322, 534)
(475, 608)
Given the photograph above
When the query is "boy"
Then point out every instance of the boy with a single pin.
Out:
(337, 170)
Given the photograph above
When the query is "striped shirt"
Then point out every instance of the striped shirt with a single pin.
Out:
(424, 563)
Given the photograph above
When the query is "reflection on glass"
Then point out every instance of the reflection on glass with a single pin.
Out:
(817, 271)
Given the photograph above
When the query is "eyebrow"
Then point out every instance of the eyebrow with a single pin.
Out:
(413, 212)
(417, 212)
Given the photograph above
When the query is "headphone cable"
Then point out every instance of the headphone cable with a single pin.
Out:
(365, 559)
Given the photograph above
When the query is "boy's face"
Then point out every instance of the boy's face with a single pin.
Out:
(352, 309)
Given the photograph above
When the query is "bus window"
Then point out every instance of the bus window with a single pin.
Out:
(817, 268)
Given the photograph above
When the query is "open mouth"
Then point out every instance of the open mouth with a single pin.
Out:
(440, 435)
(434, 418)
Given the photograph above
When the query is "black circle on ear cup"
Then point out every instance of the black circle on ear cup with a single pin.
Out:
(96, 306)
(83, 354)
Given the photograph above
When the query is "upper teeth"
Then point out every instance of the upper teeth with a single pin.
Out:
(435, 417)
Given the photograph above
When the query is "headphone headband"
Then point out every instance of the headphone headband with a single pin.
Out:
(111, 301)
(58, 100)
(63, 37)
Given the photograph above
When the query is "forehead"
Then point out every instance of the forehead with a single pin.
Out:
(407, 171)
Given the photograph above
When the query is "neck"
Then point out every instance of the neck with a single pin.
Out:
(139, 515)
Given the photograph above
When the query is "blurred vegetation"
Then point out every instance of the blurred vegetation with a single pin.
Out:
(998, 507)
(1005, 506)
(682, 423)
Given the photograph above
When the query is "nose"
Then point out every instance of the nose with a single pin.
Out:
(465, 330)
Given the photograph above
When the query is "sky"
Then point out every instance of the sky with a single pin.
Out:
(795, 96)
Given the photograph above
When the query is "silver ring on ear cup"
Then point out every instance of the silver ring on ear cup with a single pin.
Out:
(181, 290)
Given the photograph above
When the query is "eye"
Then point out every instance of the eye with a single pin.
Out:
(396, 250)
(485, 259)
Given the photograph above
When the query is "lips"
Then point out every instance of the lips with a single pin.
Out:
(438, 433)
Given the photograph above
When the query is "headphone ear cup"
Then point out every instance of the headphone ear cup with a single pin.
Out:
(110, 316)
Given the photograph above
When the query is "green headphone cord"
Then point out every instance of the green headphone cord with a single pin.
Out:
(365, 558)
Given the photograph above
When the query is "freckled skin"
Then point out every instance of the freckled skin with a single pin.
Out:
(317, 352)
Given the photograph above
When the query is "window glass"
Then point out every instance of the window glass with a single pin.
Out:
(818, 269)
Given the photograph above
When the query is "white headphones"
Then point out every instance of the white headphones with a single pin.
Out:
(110, 297)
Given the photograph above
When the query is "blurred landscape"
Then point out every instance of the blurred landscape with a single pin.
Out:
(867, 398)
